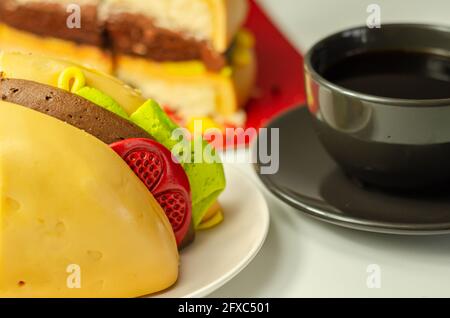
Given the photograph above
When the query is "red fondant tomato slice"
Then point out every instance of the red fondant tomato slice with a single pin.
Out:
(163, 176)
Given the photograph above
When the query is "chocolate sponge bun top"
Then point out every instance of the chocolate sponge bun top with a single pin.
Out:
(70, 108)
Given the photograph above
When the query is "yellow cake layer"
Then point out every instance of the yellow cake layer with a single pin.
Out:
(12, 40)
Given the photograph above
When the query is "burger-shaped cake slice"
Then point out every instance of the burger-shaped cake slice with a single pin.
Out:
(68, 108)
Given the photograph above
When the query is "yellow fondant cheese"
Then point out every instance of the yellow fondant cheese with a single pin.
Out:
(47, 71)
(75, 221)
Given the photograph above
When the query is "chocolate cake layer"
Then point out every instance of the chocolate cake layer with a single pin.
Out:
(70, 108)
(50, 20)
(135, 34)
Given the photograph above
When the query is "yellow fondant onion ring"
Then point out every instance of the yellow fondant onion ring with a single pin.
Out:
(71, 79)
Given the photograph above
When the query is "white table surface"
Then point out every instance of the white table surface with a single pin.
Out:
(303, 257)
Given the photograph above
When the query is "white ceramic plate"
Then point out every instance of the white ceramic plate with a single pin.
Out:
(219, 254)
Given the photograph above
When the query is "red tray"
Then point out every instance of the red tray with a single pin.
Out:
(280, 82)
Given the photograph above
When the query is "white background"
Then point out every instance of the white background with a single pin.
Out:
(306, 258)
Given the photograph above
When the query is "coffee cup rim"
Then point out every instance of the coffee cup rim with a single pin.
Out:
(368, 97)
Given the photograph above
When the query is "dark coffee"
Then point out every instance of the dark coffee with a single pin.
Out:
(394, 74)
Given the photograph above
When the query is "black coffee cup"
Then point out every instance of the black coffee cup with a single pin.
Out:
(380, 102)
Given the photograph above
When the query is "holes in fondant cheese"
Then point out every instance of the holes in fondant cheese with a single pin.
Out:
(95, 255)
(21, 283)
(60, 228)
(11, 205)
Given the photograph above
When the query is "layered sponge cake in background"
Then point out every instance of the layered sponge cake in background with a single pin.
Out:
(189, 55)
(202, 65)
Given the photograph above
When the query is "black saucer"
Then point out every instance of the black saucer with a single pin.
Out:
(310, 181)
